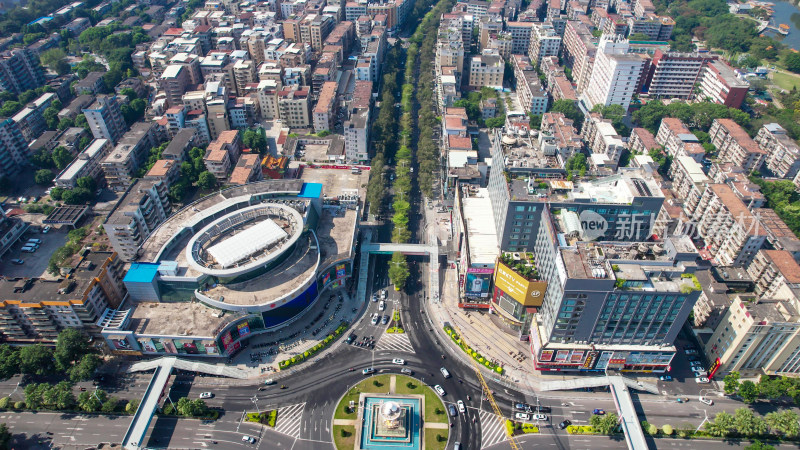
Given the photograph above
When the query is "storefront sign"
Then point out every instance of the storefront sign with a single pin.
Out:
(547, 355)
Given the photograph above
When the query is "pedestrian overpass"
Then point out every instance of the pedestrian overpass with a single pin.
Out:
(134, 436)
(618, 385)
(431, 250)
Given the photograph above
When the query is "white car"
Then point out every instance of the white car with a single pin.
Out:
(702, 380)
(522, 416)
(374, 319)
(398, 361)
(381, 305)
(439, 390)
(248, 439)
(461, 407)
(206, 395)
(707, 401)
(541, 417)
(383, 294)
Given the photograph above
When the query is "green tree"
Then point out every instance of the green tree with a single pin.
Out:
(59, 397)
(36, 359)
(56, 193)
(5, 402)
(255, 139)
(748, 391)
(570, 111)
(87, 183)
(206, 180)
(398, 270)
(721, 425)
(55, 60)
(731, 383)
(758, 445)
(51, 118)
(10, 108)
(792, 61)
(62, 157)
(535, 121)
(71, 345)
(748, 424)
(191, 408)
(85, 368)
(89, 401)
(34, 394)
(784, 422)
(43, 176)
(110, 405)
(605, 424)
(132, 406)
(9, 361)
(5, 437)
(65, 123)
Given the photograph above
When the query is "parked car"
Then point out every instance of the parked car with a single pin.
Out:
(665, 378)
(439, 390)
(564, 424)
(705, 400)
(17, 262)
(598, 411)
(702, 380)
(46, 229)
(351, 338)
(461, 407)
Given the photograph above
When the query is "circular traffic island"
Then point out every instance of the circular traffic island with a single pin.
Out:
(390, 410)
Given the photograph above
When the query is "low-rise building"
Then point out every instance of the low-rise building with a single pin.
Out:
(247, 170)
(122, 163)
(87, 164)
(486, 70)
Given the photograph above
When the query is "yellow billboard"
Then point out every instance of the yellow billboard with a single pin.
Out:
(527, 293)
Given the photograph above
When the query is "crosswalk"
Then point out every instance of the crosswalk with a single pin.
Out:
(493, 429)
(289, 418)
(398, 342)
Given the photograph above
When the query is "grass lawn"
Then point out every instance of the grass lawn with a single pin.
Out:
(432, 400)
(785, 80)
(431, 443)
(364, 386)
(344, 442)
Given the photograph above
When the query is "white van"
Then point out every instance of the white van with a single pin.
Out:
(445, 373)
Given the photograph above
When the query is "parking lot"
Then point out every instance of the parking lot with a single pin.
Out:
(35, 264)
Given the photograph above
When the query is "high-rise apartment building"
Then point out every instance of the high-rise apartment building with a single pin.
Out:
(783, 153)
(674, 75)
(13, 148)
(294, 106)
(520, 36)
(141, 210)
(174, 81)
(720, 83)
(579, 53)
(20, 71)
(105, 119)
(735, 145)
(615, 75)
(545, 42)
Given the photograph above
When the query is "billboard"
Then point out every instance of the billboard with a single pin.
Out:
(547, 355)
(479, 282)
(121, 343)
(244, 329)
(527, 293)
(576, 357)
(147, 345)
(341, 271)
(602, 361)
(714, 368)
(562, 355)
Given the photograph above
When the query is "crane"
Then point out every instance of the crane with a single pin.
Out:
(488, 391)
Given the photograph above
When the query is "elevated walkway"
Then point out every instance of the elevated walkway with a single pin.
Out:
(219, 370)
(141, 420)
(406, 249)
(163, 369)
(363, 271)
(618, 385)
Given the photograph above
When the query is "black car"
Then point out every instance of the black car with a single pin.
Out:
(564, 424)
(543, 409)
(351, 338)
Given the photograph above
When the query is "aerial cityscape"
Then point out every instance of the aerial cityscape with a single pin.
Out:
(399, 224)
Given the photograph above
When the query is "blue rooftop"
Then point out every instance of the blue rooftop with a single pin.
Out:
(141, 273)
(311, 190)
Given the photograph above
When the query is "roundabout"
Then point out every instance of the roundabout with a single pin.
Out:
(391, 412)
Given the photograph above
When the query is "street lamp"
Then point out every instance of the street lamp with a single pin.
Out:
(255, 402)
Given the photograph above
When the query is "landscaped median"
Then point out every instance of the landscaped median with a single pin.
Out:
(297, 359)
(265, 418)
(513, 428)
(395, 326)
(468, 350)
